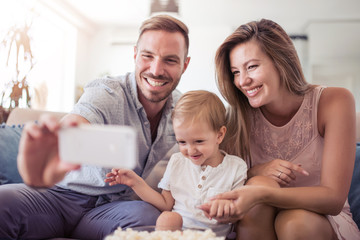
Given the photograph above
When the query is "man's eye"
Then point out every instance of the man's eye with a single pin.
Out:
(171, 61)
(146, 56)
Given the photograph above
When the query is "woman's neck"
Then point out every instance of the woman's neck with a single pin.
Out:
(283, 111)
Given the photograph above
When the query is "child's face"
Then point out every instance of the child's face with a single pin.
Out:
(198, 142)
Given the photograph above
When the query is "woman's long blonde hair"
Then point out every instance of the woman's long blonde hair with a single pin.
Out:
(274, 41)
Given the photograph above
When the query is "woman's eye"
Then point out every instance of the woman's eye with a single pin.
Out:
(252, 67)
(236, 73)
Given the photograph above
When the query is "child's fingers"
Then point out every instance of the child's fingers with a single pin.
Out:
(226, 212)
(232, 208)
(220, 211)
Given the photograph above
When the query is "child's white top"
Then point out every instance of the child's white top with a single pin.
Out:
(191, 186)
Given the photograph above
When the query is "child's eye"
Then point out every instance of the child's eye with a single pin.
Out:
(181, 142)
(199, 141)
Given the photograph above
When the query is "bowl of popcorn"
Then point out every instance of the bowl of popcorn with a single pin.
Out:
(151, 233)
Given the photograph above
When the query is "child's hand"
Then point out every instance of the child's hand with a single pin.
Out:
(122, 176)
(110, 177)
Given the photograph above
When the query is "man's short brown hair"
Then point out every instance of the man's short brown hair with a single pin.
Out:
(166, 23)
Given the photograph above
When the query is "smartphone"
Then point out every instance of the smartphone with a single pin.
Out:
(111, 146)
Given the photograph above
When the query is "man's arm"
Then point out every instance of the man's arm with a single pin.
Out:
(38, 158)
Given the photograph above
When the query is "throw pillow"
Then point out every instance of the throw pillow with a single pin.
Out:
(9, 142)
(354, 194)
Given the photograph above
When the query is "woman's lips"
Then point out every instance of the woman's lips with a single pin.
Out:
(252, 92)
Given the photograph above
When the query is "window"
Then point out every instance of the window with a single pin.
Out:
(53, 45)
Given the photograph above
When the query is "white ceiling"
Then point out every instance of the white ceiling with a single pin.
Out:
(294, 16)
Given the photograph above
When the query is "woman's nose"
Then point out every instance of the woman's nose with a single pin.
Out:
(244, 79)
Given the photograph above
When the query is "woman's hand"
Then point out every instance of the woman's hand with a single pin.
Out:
(233, 205)
(219, 209)
(122, 176)
(38, 158)
(280, 170)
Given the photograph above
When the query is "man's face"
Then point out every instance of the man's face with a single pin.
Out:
(159, 63)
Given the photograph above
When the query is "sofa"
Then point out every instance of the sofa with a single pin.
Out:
(10, 133)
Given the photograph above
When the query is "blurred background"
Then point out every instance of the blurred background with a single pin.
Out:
(49, 49)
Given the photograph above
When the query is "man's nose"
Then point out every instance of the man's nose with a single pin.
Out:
(157, 67)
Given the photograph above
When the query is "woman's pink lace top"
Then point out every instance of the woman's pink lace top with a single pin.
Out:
(298, 141)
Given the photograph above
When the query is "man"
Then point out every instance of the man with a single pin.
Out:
(82, 205)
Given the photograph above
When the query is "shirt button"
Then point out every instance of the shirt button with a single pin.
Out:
(199, 186)
(203, 178)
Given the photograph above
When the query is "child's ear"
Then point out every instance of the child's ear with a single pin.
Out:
(221, 134)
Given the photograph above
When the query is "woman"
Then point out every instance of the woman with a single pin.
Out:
(298, 140)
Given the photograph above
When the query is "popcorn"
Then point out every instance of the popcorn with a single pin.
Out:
(188, 234)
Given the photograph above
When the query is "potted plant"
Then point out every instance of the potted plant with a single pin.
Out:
(16, 45)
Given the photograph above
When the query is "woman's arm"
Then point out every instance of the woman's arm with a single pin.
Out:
(337, 124)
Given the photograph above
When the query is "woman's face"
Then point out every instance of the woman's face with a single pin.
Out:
(255, 74)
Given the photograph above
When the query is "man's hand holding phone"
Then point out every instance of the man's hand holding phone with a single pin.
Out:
(102, 145)
(38, 158)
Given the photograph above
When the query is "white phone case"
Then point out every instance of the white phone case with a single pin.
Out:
(101, 145)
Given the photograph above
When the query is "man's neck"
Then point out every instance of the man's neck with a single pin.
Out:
(152, 109)
(154, 112)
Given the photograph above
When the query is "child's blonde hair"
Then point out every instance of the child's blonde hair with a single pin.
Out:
(200, 105)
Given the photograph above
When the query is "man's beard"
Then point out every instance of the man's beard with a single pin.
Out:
(158, 96)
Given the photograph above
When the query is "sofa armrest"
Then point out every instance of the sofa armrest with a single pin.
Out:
(19, 116)
(354, 193)
(358, 127)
